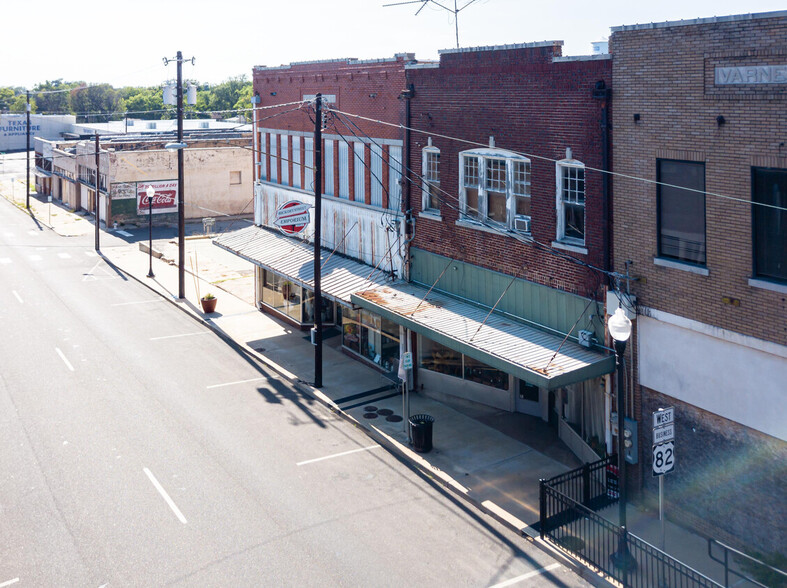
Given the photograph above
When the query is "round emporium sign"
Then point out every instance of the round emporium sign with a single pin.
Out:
(292, 217)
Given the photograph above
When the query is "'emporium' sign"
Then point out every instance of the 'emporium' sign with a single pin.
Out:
(751, 74)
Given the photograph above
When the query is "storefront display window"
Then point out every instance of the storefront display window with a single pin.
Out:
(362, 333)
(288, 298)
(477, 371)
(439, 358)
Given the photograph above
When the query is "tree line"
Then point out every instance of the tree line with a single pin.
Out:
(102, 102)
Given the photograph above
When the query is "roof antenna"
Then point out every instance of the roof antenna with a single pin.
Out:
(455, 11)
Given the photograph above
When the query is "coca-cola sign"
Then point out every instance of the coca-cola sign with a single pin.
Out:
(165, 197)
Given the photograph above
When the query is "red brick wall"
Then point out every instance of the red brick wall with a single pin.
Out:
(370, 89)
(530, 105)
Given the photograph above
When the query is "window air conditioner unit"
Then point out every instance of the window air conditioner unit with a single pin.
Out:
(522, 224)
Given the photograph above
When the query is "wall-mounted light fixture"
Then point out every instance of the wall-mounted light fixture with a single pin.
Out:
(720, 120)
(636, 118)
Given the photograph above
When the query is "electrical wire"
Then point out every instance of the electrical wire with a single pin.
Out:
(552, 160)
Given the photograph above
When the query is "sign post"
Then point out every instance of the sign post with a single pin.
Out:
(663, 454)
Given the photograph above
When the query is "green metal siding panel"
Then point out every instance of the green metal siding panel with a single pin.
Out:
(540, 304)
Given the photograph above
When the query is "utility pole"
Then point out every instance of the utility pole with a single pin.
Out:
(181, 204)
(317, 241)
(98, 189)
(27, 183)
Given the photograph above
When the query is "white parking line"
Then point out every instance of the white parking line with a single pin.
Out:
(233, 383)
(35, 257)
(65, 360)
(91, 253)
(300, 463)
(18, 297)
(527, 576)
(165, 496)
(137, 302)
(174, 336)
(124, 233)
(64, 255)
(5, 260)
(14, 581)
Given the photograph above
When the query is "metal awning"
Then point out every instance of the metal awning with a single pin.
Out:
(532, 355)
(294, 259)
(42, 173)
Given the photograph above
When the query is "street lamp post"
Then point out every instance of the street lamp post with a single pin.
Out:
(151, 192)
(620, 329)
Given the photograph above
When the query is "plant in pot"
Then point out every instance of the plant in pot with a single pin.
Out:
(208, 303)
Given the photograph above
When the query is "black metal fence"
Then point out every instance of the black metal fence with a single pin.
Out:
(575, 528)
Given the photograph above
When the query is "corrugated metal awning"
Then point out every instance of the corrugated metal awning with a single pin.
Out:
(294, 259)
(532, 355)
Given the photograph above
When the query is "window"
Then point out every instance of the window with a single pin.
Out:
(308, 169)
(438, 358)
(285, 163)
(394, 176)
(681, 212)
(328, 167)
(344, 170)
(263, 156)
(769, 186)
(359, 172)
(377, 175)
(431, 183)
(372, 337)
(235, 177)
(495, 185)
(296, 162)
(274, 158)
(571, 201)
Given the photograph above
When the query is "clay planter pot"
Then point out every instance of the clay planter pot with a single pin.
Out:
(208, 305)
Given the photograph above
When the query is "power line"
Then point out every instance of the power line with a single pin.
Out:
(550, 159)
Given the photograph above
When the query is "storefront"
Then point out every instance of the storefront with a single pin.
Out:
(285, 289)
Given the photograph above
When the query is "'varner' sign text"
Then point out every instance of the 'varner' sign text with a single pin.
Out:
(164, 200)
(751, 74)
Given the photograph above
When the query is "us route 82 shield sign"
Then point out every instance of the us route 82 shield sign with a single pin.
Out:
(663, 458)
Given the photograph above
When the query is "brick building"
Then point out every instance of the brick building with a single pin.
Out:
(217, 174)
(362, 228)
(509, 216)
(700, 108)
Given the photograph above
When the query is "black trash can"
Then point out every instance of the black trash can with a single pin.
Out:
(421, 432)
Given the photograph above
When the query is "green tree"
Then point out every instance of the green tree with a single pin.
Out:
(20, 104)
(144, 102)
(53, 97)
(7, 97)
(225, 95)
(95, 103)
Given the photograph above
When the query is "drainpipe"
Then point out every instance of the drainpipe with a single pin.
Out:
(407, 95)
(601, 92)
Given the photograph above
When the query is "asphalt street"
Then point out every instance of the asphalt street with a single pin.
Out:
(138, 448)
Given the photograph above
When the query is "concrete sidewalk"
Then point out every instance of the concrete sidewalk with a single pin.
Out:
(491, 458)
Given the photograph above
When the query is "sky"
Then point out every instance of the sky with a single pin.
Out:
(123, 43)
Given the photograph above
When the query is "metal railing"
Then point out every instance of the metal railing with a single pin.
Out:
(578, 530)
(725, 561)
(593, 484)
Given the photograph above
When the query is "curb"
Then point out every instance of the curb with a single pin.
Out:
(433, 476)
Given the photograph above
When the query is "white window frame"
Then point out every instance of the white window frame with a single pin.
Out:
(285, 156)
(273, 150)
(430, 172)
(394, 177)
(359, 172)
(511, 160)
(561, 199)
(308, 165)
(296, 161)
